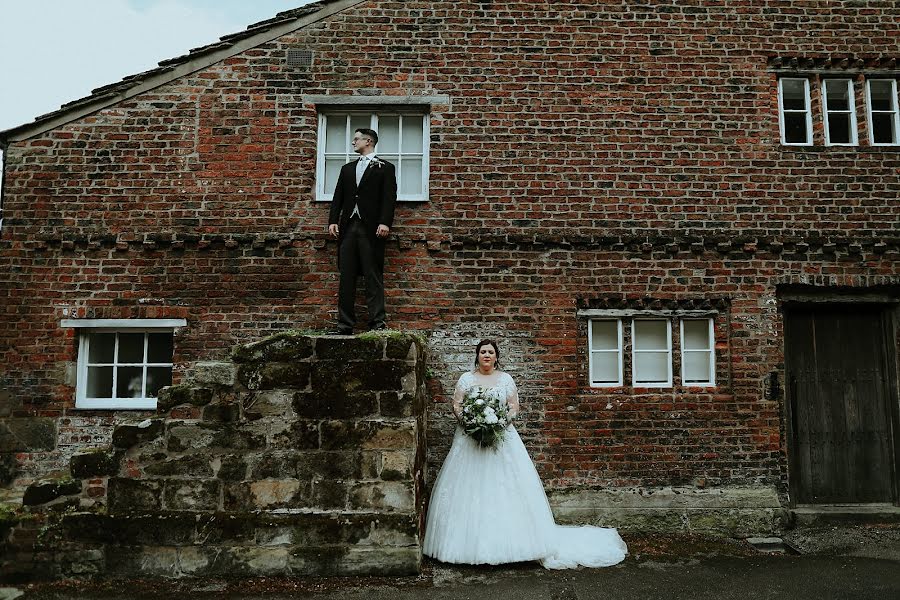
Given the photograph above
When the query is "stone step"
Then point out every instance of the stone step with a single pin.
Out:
(826, 514)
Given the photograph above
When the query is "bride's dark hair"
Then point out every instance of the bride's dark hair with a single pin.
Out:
(496, 351)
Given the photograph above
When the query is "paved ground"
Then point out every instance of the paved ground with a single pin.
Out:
(847, 563)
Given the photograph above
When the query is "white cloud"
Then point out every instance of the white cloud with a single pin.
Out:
(56, 51)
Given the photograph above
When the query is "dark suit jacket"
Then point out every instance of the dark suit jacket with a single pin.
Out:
(376, 196)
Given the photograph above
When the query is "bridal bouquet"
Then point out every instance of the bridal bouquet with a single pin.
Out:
(484, 417)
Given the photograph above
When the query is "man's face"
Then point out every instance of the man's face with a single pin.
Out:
(361, 143)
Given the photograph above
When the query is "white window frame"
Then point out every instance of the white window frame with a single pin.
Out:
(89, 326)
(619, 351)
(710, 351)
(668, 350)
(373, 112)
(827, 112)
(782, 111)
(895, 111)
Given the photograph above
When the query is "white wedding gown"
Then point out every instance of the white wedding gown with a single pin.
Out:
(489, 507)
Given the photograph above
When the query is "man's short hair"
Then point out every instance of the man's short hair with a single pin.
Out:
(369, 133)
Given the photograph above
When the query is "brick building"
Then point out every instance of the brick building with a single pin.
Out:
(680, 219)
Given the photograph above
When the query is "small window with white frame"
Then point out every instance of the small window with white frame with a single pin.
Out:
(840, 112)
(651, 353)
(698, 354)
(402, 141)
(605, 348)
(795, 117)
(882, 112)
(123, 364)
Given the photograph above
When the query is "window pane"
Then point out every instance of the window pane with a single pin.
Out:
(359, 121)
(411, 176)
(839, 128)
(795, 128)
(604, 367)
(793, 94)
(158, 378)
(388, 134)
(159, 348)
(129, 382)
(412, 134)
(696, 335)
(651, 367)
(651, 335)
(131, 348)
(696, 367)
(837, 93)
(102, 346)
(99, 382)
(883, 128)
(880, 93)
(604, 335)
(336, 138)
(332, 170)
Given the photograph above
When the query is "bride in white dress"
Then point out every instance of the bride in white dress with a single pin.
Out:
(488, 506)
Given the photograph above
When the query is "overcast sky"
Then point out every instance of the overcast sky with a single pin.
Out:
(56, 51)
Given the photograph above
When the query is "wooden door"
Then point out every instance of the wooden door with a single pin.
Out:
(838, 376)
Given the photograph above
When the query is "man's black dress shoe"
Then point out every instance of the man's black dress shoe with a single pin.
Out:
(378, 327)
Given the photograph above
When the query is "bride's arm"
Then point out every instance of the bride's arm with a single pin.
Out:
(458, 396)
(512, 397)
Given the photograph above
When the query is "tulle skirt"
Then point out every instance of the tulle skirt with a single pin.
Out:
(489, 507)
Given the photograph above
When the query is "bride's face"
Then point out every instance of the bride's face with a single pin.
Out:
(487, 357)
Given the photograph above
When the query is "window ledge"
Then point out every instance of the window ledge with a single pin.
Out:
(123, 323)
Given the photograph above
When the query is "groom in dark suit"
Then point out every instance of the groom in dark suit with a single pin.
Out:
(362, 212)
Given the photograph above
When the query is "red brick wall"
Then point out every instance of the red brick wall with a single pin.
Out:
(590, 151)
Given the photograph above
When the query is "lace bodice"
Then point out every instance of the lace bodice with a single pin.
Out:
(499, 383)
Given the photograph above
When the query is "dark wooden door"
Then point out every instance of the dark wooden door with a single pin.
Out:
(838, 389)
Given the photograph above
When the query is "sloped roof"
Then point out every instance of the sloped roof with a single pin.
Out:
(170, 69)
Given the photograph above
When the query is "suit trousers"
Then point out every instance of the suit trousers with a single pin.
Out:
(357, 257)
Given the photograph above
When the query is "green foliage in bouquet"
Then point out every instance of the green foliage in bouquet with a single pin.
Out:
(485, 417)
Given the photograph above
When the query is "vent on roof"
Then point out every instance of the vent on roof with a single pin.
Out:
(299, 59)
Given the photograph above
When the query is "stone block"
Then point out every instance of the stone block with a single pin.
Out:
(224, 529)
(251, 561)
(27, 434)
(286, 346)
(334, 379)
(342, 561)
(403, 347)
(336, 405)
(192, 465)
(368, 435)
(192, 494)
(166, 529)
(397, 404)
(137, 562)
(133, 496)
(329, 465)
(222, 413)
(9, 468)
(126, 436)
(386, 495)
(99, 463)
(345, 349)
(270, 403)
(266, 494)
(236, 437)
(300, 435)
(184, 394)
(185, 435)
(396, 465)
(47, 490)
(267, 376)
(231, 467)
(328, 494)
(213, 374)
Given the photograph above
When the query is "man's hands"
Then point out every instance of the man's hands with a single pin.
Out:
(383, 230)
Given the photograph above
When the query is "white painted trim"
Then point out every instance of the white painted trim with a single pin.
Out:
(896, 112)
(711, 350)
(851, 110)
(781, 111)
(629, 312)
(123, 323)
(619, 351)
(364, 101)
(635, 351)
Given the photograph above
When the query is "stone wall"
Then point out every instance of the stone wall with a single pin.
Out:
(302, 456)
